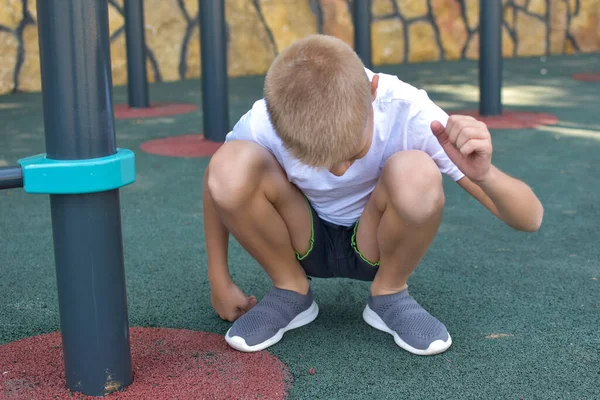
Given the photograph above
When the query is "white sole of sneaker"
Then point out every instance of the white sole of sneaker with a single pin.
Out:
(304, 318)
(436, 347)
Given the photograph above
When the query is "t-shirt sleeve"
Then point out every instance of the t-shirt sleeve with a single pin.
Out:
(254, 126)
(242, 130)
(420, 136)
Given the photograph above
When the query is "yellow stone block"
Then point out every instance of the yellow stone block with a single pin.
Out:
(538, 7)
(8, 49)
(32, 7)
(337, 20)
(558, 31)
(509, 16)
(381, 7)
(30, 78)
(288, 20)
(150, 71)
(572, 6)
(193, 58)
(423, 46)
(388, 45)
(117, 50)
(164, 30)
(508, 46)
(115, 19)
(191, 6)
(412, 8)
(570, 49)
(118, 60)
(250, 49)
(453, 32)
(585, 27)
(11, 13)
(531, 33)
(472, 9)
(473, 48)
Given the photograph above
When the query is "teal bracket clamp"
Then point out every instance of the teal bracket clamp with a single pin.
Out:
(46, 176)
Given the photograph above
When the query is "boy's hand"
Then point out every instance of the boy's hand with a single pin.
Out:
(468, 143)
(230, 302)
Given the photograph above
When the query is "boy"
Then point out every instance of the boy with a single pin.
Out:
(337, 173)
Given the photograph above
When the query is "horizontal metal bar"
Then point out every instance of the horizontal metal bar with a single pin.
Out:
(11, 177)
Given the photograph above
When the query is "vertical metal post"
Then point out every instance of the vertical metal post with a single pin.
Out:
(490, 57)
(137, 76)
(362, 31)
(213, 49)
(88, 246)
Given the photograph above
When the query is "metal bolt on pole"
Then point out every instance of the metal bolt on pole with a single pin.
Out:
(213, 48)
(88, 246)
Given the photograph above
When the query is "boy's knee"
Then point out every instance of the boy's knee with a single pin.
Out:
(234, 172)
(413, 183)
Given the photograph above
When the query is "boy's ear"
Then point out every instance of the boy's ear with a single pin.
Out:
(374, 85)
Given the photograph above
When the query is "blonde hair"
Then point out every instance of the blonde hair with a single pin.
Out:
(318, 98)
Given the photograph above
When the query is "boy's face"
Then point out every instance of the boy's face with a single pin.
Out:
(341, 168)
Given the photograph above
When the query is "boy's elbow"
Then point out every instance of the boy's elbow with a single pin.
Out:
(534, 222)
(534, 226)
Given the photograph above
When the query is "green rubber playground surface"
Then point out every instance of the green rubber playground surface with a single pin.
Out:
(523, 309)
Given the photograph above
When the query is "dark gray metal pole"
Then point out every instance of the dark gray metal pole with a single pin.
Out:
(88, 246)
(213, 49)
(490, 57)
(137, 76)
(362, 31)
(11, 177)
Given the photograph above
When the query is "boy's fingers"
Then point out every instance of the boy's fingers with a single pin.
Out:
(441, 134)
(474, 146)
(468, 133)
(437, 128)
(235, 315)
(253, 301)
(248, 304)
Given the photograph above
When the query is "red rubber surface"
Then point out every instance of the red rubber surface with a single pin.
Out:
(167, 364)
(185, 146)
(587, 77)
(513, 119)
(123, 111)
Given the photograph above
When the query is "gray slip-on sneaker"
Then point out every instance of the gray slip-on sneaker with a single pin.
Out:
(264, 325)
(413, 328)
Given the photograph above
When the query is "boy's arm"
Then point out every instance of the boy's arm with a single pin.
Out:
(217, 240)
(468, 144)
(508, 198)
(227, 299)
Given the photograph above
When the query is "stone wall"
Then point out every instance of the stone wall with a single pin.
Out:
(404, 31)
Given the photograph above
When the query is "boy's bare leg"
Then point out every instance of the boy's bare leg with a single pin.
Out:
(397, 227)
(267, 215)
(252, 198)
(401, 219)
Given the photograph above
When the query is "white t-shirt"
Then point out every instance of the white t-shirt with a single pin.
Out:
(402, 119)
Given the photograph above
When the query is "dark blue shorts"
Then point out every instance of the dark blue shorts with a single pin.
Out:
(333, 252)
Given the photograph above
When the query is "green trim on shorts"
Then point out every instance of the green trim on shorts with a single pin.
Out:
(312, 233)
(355, 247)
